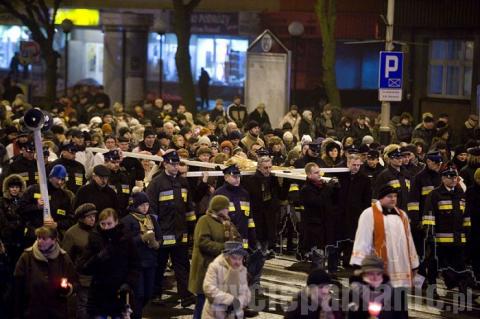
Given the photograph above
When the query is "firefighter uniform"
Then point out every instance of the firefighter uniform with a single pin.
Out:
(447, 226)
(398, 179)
(75, 170)
(239, 209)
(24, 167)
(170, 200)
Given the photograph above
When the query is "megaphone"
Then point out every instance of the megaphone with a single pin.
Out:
(35, 119)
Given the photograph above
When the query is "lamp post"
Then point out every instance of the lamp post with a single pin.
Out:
(67, 26)
(295, 29)
(160, 29)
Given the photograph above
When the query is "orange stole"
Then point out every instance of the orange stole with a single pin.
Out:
(379, 242)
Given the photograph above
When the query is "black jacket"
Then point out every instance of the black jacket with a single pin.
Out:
(75, 173)
(354, 197)
(422, 185)
(399, 180)
(25, 168)
(265, 193)
(102, 197)
(120, 183)
(171, 201)
(303, 307)
(148, 256)
(112, 260)
(134, 170)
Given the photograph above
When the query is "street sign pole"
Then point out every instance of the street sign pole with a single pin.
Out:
(385, 136)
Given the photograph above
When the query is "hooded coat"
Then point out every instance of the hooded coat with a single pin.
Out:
(11, 224)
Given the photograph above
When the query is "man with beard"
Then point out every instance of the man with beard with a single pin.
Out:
(74, 243)
(31, 203)
(75, 170)
(97, 191)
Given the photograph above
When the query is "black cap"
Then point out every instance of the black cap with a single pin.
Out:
(410, 148)
(314, 147)
(434, 156)
(102, 171)
(162, 134)
(363, 149)
(449, 170)
(262, 152)
(29, 146)
(149, 132)
(352, 150)
(372, 154)
(251, 124)
(475, 151)
(122, 139)
(235, 135)
(77, 133)
(318, 277)
(395, 153)
(70, 147)
(460, 149)
(113, 155)
(232, 170)
(386, 190)
(171, 156)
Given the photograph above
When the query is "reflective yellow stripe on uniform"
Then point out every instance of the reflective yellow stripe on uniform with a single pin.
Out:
(448, 238)
(293, 188)
(245, 244)
(412, 206)
(245, 206)
(184, 194)
(428, 220)
(426, 190)
(185, 238)
(61, 212)
(445, 205)
(462, 206)
(395, 183)
(125, 189)
(407, 183)
(298, 208)
(166, 195)
(231, 207)
(251, 223)
(467, 222)
(190, 216)
(38, 195)
(169, 240)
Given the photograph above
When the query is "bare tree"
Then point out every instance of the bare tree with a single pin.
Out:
(182, 12)
(35, 15)
(327, 15)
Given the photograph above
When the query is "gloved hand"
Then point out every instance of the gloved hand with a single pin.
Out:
(148, 236)
(153, 244)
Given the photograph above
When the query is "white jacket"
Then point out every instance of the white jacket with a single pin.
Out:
(215, 289)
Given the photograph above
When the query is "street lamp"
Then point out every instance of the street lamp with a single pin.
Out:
(296, 30)
(67, 26)
(160, 29)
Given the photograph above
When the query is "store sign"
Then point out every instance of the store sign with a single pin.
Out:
(214, 23)
(79, 17)
(29, 52)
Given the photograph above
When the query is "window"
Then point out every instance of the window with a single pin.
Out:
(450, 68)
(10, 37)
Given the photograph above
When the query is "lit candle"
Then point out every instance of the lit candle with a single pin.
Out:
(374, 308)
(64, 283)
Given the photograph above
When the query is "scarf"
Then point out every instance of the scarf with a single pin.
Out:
(145, 222)
(230, 231)
(50, 253)
(379, 240)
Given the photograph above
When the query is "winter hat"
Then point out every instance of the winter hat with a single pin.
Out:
(288, 136)
(367, 139)
(234, 248)
(204, 140)
(251, 124)
(385, 190)
(203, 150)
(330, 146)
(306, 139)
(58, 171)
(235, 135)
(318, 277)
(228, 144)
(149, 132)
(138, 199)
(371, 263)
(85, 209)
(15, 180)
(107, 129)
(218, 202)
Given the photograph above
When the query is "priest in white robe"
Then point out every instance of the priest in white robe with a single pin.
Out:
(384, 230)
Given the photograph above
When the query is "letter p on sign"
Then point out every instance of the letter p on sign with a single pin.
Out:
(391, 64)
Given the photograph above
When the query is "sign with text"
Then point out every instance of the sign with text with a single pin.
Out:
(390, 76)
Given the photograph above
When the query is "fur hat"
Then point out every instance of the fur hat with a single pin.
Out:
(218, 202)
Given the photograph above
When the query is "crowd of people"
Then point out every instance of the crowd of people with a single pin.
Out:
(396, 213)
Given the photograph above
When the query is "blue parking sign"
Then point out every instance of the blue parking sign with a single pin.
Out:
(390, 76)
